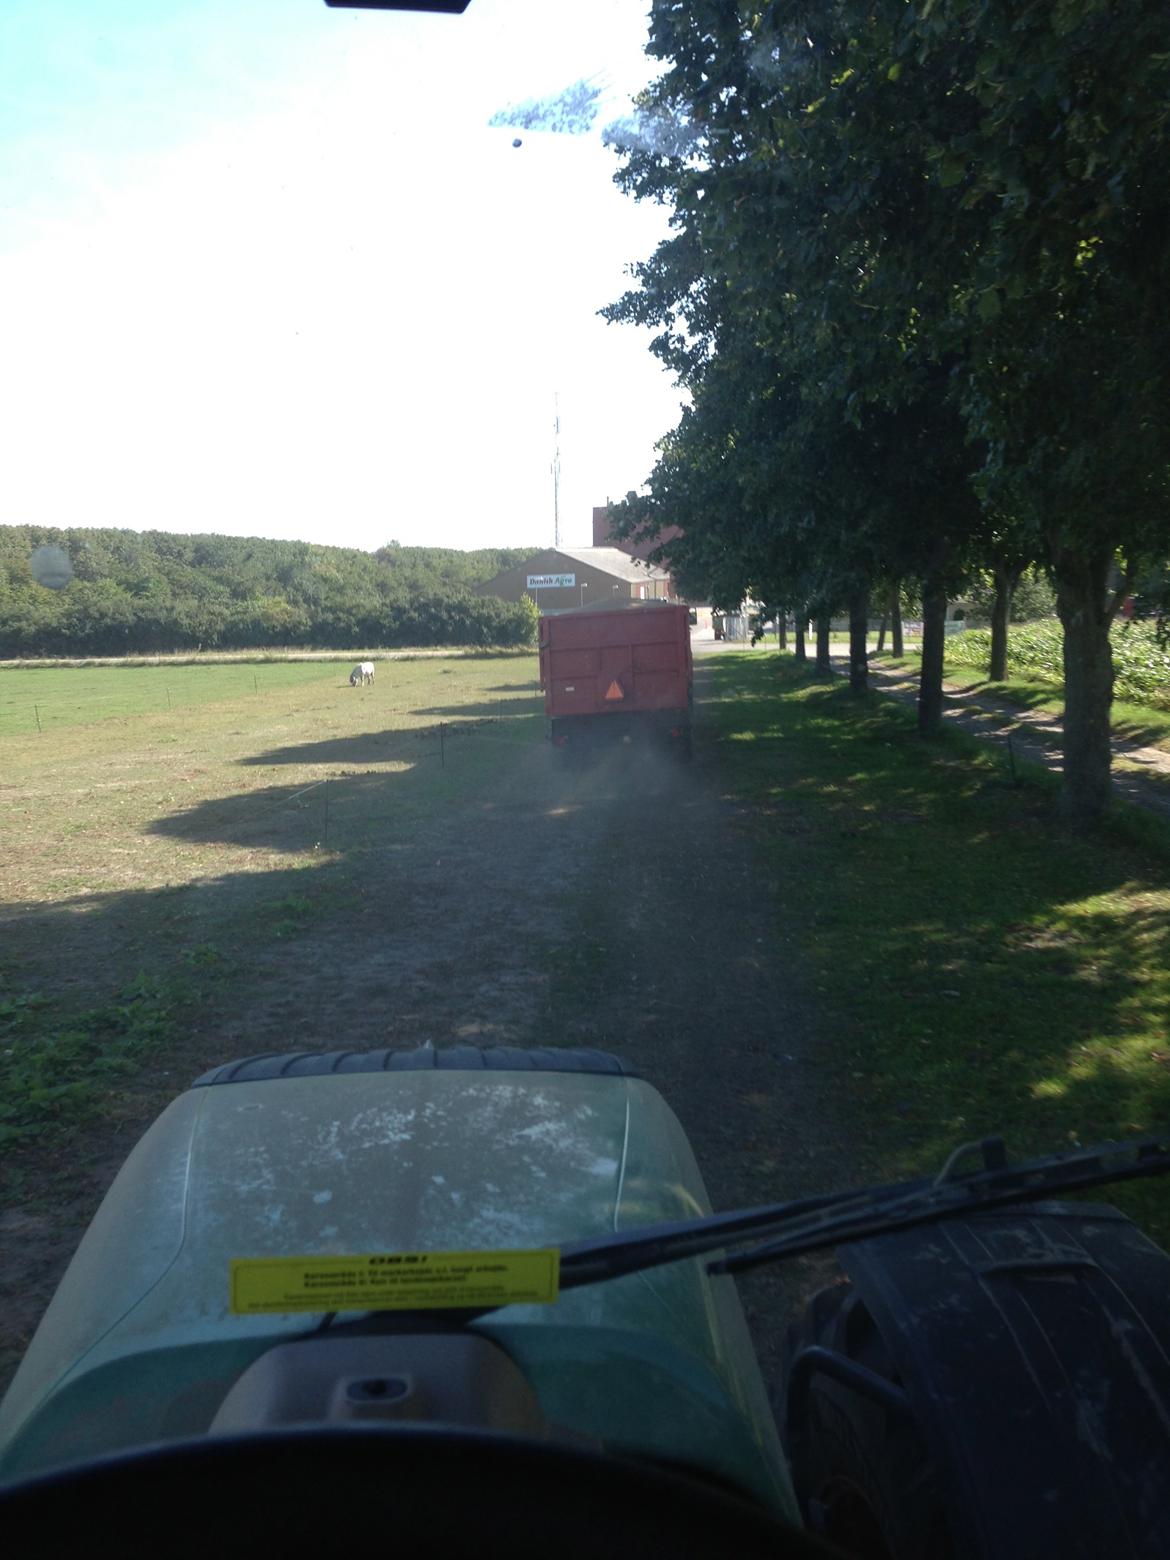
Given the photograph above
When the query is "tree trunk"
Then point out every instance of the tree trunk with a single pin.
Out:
(799, 650)
(881, 644)
(824, 657)
(1006, 578)
(781, 633)
(934, 634)
(1082, 602)
(859, 642)
(897, 649)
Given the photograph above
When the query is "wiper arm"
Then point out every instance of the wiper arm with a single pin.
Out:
(650, 1245)
(814, 1223)
(777, 1231)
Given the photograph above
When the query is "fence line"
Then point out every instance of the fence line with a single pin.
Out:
(14, 708)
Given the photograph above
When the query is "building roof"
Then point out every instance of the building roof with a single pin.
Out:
(618, 604)
(611, 560)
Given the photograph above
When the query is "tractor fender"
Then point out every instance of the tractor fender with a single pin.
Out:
(1033, 1347)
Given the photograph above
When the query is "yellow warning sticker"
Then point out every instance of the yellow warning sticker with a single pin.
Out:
(394, 1281)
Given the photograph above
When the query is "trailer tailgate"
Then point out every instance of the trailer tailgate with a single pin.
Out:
(595, 663)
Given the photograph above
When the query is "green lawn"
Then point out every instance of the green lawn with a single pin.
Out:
(53, 697)
(975, 968)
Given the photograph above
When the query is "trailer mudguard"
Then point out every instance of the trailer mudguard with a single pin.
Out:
(1034, 1350)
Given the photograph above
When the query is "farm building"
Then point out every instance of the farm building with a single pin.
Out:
(603, 535)
(566, 577)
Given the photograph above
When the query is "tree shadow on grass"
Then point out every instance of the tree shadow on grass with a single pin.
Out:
(402, 906)
(367, 747)
(336, 811)
(494, 709)
(982, 969)
(1026, 695)
(1144, 734)
(394, 746)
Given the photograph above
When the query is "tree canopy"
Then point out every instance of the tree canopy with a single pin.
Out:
(155, 591)
(915, 288)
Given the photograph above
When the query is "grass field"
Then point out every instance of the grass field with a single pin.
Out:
(977, 969)
(43, 698)
(120, 809)
(864, 948)
(49, 698)
(973, 968)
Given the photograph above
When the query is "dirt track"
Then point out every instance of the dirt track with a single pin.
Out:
(1141, 774)
(617, 905)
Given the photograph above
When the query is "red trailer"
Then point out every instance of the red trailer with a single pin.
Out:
(616, 673)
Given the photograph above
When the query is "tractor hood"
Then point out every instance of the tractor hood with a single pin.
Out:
(139, 1343)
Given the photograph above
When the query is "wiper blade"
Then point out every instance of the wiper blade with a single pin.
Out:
(777, 1231)
(650, 1245)
(813, 1224)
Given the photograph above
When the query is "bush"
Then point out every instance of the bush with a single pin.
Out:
(136, 593)
(1032, 598)
(1141, 665)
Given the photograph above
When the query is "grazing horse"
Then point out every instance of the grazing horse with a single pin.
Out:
(362, 673)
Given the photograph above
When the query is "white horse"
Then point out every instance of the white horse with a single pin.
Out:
(362, 673)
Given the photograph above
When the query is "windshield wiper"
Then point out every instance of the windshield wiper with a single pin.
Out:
(777, 1231)
(792, 1229)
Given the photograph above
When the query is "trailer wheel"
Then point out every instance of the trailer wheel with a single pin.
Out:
(862, 1472)
(565, 741)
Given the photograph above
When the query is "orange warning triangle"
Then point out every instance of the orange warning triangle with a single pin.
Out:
(615, 690)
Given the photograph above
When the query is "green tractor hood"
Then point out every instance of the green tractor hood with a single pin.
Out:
(139, 1346)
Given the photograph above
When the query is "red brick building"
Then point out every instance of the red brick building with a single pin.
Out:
(603, 536)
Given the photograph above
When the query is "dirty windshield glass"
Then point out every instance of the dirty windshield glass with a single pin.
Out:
(583, 639)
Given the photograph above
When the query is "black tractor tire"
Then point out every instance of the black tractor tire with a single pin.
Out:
(453, 1058)
(862, 1471)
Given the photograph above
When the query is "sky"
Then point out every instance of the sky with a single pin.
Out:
(266, 269)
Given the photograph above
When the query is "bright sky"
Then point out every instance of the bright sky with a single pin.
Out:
(266, 270)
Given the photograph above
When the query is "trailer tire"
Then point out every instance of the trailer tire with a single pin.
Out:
(862, 1471)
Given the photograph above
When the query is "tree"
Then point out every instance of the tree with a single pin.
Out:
(835, 484)
(152, 591)
(934, 208)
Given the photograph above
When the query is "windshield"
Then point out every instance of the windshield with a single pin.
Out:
(580, 528)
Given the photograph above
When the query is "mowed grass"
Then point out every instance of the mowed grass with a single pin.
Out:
(50, 698)
(976, 969)
(149, 856)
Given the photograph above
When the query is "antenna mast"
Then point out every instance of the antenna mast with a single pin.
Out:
(555, 468)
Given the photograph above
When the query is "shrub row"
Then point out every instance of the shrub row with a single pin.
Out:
(1141, 663)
